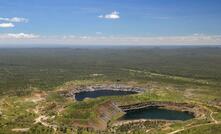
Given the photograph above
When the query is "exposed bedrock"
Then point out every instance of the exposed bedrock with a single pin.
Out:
(109, 87)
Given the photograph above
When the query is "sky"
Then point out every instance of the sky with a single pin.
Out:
(110, 22)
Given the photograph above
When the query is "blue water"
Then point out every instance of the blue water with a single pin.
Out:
(156, 113)
(94, 94)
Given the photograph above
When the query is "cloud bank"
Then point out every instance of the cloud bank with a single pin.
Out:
(22, 38)
(12, 36)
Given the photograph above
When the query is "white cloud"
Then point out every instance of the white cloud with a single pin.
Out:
(114, 15)
(15, 19)
(6, 25)
(18, 36)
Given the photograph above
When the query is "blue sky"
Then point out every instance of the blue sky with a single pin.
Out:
(126, 19)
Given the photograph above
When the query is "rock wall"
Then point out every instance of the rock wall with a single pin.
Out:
(105, 112)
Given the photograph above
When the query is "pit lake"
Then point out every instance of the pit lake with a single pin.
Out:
(156, 113)
(98, 93)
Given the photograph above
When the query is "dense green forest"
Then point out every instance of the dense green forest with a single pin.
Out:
(24, 68)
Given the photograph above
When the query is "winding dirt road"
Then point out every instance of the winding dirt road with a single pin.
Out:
(215, 122)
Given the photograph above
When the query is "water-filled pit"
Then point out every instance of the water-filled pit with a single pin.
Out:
(99, 93)
(156, 113)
